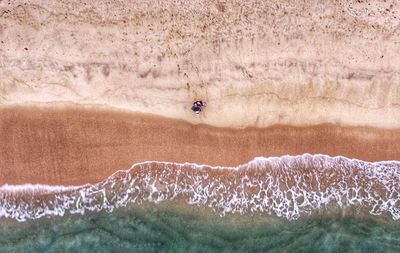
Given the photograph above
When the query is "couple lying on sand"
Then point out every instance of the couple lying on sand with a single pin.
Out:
(197, 106)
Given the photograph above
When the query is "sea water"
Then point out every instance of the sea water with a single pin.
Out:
(308, 203)
(158, 230)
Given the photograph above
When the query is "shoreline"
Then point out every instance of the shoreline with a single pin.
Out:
(75, 146)
(286, 187)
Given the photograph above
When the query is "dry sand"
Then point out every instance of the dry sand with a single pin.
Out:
(258, 63)
(75, 146)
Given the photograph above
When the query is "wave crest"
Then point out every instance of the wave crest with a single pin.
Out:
(288, 186)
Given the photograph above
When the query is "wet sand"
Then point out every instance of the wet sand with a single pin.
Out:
(73, 146)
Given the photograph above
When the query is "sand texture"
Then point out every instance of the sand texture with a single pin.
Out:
(76, 146)
(90, 87)
(257, 63)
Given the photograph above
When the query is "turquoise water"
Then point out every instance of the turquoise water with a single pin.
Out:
(154, 229)
(324, 204)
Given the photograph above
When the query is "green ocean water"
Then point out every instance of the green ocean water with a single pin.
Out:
(157, 229)
(167, 207)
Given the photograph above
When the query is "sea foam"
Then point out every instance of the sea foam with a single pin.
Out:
(287, 186)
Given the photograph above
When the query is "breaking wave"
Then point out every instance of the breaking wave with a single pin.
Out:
(287, 186)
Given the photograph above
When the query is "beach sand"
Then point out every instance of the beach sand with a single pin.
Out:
(74, 145)
(90, 87)
(257, 63)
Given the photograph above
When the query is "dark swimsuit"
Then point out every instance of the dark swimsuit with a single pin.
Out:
(197, 106)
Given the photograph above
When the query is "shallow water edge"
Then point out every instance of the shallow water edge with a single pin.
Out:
(288, 187)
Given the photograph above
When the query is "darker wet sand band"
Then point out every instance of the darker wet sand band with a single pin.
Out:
(77, 146)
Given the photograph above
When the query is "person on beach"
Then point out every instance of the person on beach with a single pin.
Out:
(197, 106)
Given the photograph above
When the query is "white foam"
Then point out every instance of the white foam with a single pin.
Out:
(36, 188)
(287, 186)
